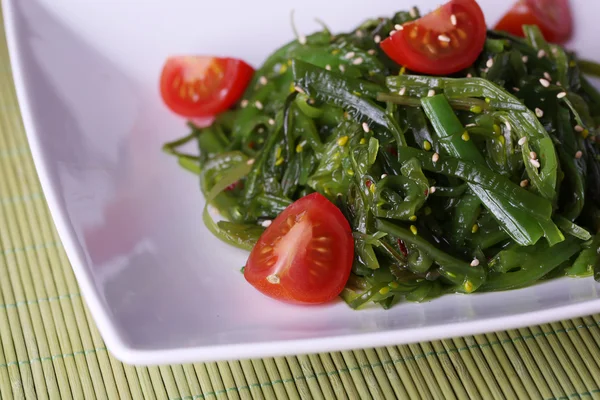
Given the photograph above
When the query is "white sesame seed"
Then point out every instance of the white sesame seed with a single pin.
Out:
(558, 83)
(516, 89)
(578, 128)
(360, 33)
(554, 50)
(402, 91)
(453, 19)
(533, 155)
(525, 59)
(377, 39)
(244, 103)
(579, 154)
(299, 89)
(489, 63)
(398, 27)
(328, 67)
(522, 141)
(367, 192)
(258, 105)
(383, 176)
(263, 80)
(302, 39)
(524, 183)
(266, 223)
(250, 161)
(435, 157)
(432, 190)
(535, 163)
(365, 127)
(470, 125)
(271, 121)
(469, 75)
(342, 68)
(357, 61)
(431, 93)
(547, 76)
(544, 82)
(539, 113)
(444, 38)
(561, 95)
(392, 32)
(349, 55)
(371, 51)
(413, 12)
(541, 53)
(475, 262)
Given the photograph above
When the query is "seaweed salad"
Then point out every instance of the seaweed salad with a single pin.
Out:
(483, 179)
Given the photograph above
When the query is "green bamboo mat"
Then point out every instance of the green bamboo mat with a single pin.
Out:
(50, 347)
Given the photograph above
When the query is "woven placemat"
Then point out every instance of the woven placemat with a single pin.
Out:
(50, 347)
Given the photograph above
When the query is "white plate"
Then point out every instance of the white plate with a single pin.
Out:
(161, 288)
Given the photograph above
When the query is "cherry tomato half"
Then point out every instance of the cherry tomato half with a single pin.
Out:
(444, 41)
(552, 16)
(305, 255)
(200, 86)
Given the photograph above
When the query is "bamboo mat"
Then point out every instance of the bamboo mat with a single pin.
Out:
(50, 347)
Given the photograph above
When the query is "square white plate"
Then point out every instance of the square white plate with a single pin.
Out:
(161, 288)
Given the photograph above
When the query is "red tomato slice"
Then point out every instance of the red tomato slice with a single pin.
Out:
(200, 86)
(305, 255)
(552, 16)
(444, 41)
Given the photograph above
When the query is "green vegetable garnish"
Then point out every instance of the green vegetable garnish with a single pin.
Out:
(487, 180)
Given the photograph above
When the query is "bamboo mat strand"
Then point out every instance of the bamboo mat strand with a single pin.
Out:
(322, 376)
(342, 390)
(281, 366)
(50, 347)
(558, 385)
(422, 364)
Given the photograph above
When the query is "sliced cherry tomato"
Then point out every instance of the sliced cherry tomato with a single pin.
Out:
(200, 86)
(444, 41)
(305, 255)
(552, 16)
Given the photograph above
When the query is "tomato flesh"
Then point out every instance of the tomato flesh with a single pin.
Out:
(553, 17)
(305, 255)
(201, 86)
(444, 41)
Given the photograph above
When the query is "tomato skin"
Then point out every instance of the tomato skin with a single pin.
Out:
(419, 48)
(202, 86)
(305, 256)
(553, 17)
